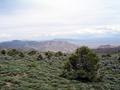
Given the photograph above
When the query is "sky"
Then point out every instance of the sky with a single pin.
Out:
(56, 19)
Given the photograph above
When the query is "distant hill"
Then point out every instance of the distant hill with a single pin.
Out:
(52, 45)
(92, 42)
(108, 49)
(106, 46)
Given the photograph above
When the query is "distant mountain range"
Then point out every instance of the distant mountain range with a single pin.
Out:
(93, 42)
(54, 45)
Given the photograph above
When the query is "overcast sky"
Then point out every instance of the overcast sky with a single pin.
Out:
(51, 19)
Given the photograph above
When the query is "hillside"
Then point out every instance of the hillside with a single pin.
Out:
(52, 45)
(28, 73)
(108, 49)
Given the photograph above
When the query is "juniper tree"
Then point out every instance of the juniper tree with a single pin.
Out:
(81, 65)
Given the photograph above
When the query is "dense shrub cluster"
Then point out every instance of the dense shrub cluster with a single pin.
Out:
(12, 52)
(30, 55)
(81, 65)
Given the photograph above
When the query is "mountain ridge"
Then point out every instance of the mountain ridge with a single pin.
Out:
(54, 45)
(50, 45)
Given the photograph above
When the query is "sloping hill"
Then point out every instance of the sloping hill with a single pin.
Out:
(52, 45)
(32, 74)
(108, 49)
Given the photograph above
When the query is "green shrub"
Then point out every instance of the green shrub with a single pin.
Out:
(3, 52)
(106, 55)
(32, 52)
(58, 54)
(40, 57)
(21, 54)
(48, 54)
(81, 65)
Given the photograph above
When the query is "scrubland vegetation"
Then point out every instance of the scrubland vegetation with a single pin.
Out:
(80, 70)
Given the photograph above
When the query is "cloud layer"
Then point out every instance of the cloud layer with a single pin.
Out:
(48, 19)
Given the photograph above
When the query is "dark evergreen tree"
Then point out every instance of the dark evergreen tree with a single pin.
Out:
(81, 65)
(3, 52)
